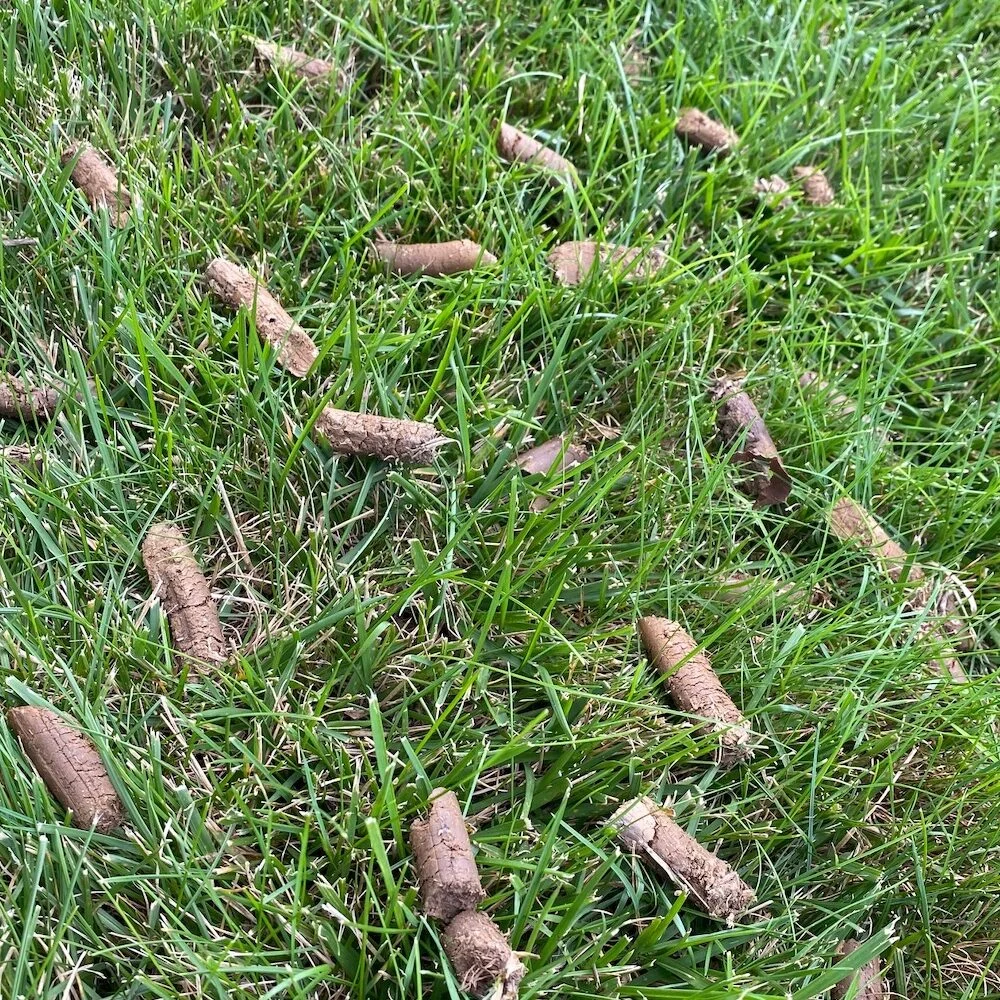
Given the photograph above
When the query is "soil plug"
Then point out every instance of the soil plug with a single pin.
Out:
(99, 182)
(23, 457)
(17, 401)
(301, 65)
(481, 957)
(851, 522)
(434, 259)
(649, 831)
(557, 454)
(446, 868)
(695, 128)
(184, 595)
(515, 146)
(816, 189)
(235, 286)
(70, 766)
(839, 404)
(694, 686)
(739, 422)
(573, 262)
(867, 981)
(773, 189)
(367, 435)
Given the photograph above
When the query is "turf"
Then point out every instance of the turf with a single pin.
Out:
(400, 630)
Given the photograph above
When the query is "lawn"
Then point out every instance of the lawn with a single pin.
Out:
(396, 629)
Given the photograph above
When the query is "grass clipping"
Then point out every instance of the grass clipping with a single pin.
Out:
(70, 766)
(185, 596)
(649, 831)
(695, 687)
(237, 287)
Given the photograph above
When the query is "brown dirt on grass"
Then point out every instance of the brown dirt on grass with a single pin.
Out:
(816, 189)
(434, 259)
(184, 595)
(695, 128)
(573, 262)
(304, 66)
(694, 686)
(868, 979)
(236, 287)
(446, 867)
(367, 435)
(70, 766)
(21, 402)
(739, 421)
(23, 456)
(648, 830)
(851, 522)
(99, 182)
(518, 147)
(481, 957)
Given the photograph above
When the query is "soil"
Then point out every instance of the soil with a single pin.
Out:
(851, 522)
(18, 401)
(481, 957)
(99, 182)
(370, 436)
(816, 189)
(868, 978)
(516, 146)
(433, 259)
(695, 128)
(572, 263)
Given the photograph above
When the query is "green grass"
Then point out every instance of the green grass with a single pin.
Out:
(399, 630)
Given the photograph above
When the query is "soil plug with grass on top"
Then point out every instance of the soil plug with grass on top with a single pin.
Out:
(572, 263)
(304, 66)
(184, 595)
(816, 189)
(739, 422)
(865, 984)
(18, 401)
(695, 128)
(237, 287)
(557, 454)
(70, 766)
(436, 260)
(517, 147)
(695, 687)
(850, 522)
(482, 957)
(99, 182)
(366, 435)
(646, 829)
(446, 867)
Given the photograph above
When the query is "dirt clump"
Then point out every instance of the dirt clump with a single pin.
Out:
(694, 686)
(434, 259)
(850, 522)
(739, 422)
(21, 402)
(572, 263)
(70, 766)
(236, 287)
(185, 596)
(867, 981)
(481, 956)
(648, 830)
(23, 457)
(304, 66)
(446, 867)
(774, 189)
(695, 128)
(99, 182)
(518, 147)
(367, 435)
(816, 189)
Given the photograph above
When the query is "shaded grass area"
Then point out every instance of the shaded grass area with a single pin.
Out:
(401, 630)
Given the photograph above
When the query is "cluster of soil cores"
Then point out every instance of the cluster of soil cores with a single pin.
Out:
(23, 457)
(739, 422)
(572, 263)
(184, 595)
(299, 63)
(837, 402)
(236, 287)
(517, 147)
(446, 867)
(866, 982)
(695, 128)
(434, 259)
(851, 522)
(694, 686)
(816, 189)
(644, 828)
(20, 402)
(773, 188)
(481, 957)
(70, 766)
(99, 182)
(367, 435)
